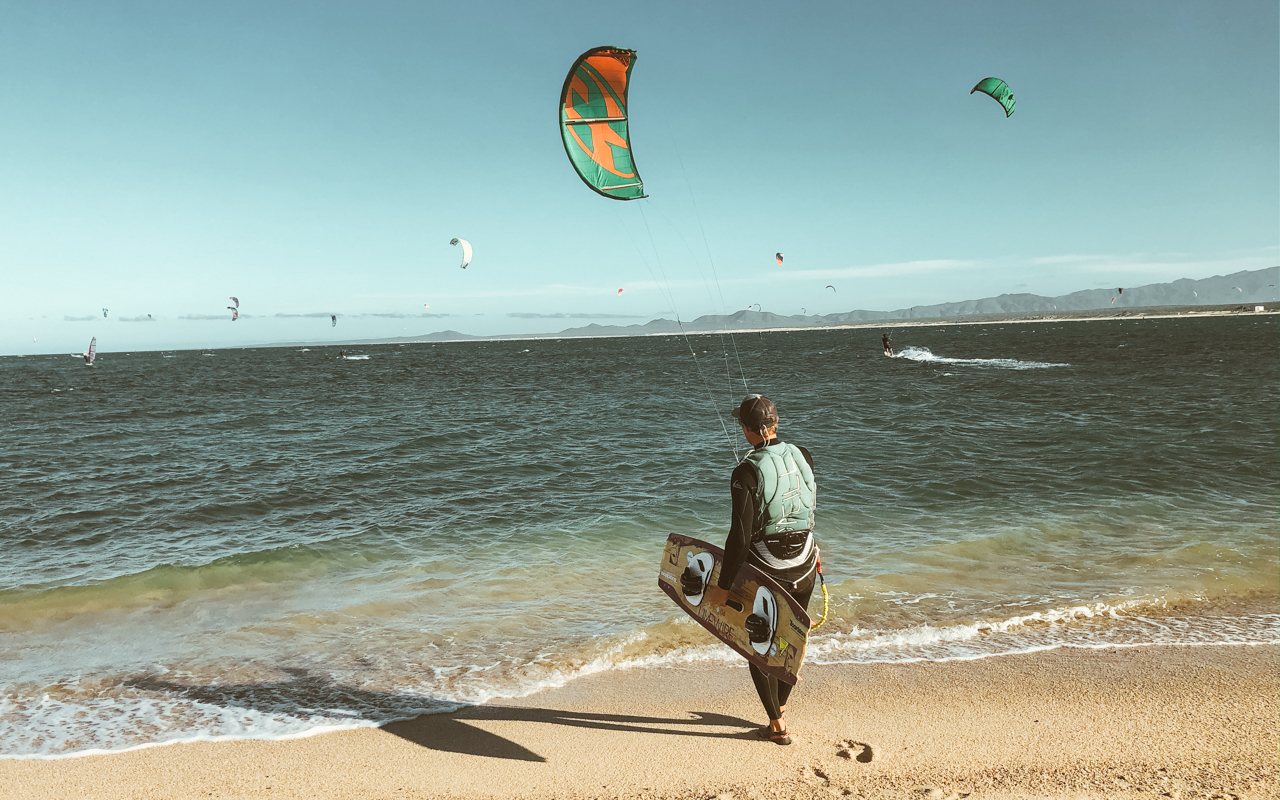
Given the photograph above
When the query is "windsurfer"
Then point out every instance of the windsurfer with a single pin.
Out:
(773, 493)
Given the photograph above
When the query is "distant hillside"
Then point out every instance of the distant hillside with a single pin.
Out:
(1221, 292)
(1241, 288)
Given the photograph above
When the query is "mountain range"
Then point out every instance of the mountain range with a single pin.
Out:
(1244, 290)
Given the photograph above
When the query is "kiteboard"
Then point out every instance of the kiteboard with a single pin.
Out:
(760, 620)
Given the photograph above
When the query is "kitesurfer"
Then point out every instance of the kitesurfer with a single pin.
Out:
(888, 348)
(773, 493)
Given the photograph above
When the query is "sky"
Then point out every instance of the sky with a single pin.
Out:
(316, 158)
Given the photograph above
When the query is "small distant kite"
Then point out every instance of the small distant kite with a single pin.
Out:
(778, 257)
(999, 91)
(832, 288)
(1121, 291)
(756, 306)
(1238, 289)
(466, 250)
(333, 319)
(619, 291)
(424, 305)
(235, 309)
(104, 313)
(802, 311)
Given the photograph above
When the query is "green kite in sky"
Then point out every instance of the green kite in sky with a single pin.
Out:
(999, 91)
(593, 122)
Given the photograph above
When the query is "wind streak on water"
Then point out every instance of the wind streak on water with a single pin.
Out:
(267, 542)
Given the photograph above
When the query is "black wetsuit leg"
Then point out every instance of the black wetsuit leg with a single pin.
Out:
(773, 692)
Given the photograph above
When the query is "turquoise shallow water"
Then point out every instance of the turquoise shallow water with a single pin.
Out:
(264, 543)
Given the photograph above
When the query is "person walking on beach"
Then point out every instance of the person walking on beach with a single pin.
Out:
(773, 492)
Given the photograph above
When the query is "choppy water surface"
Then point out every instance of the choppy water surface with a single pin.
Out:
(263, 543)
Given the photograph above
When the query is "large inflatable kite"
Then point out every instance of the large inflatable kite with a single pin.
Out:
(593, 122)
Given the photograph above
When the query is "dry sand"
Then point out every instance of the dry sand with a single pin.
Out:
(1175, 722)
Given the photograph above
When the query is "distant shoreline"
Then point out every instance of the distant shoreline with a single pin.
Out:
(1155, 312)
(1096, 315)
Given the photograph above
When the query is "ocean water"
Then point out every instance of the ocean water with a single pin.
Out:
(278, 542)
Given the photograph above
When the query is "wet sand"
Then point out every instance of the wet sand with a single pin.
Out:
(1176, 722)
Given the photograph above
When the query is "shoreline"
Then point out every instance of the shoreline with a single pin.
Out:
(1065, 723)
(1139, 313)
(928, 322)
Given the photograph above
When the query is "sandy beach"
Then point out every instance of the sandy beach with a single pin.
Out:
(1175, 722)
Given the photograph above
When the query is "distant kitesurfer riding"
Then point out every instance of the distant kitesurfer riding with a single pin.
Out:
(773, 494)
(888, 348)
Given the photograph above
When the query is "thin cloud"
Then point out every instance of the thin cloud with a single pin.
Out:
(889, 270)
(312, 315)
(1068, 259)
(78, 319)
(146, 318)
(397, 315)
(1162, 266)
(562, 315)
(212, 316)
(549, 289)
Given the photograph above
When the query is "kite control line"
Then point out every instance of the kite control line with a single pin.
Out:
(826, 598)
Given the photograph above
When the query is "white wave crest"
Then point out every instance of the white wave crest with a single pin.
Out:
(924, 354)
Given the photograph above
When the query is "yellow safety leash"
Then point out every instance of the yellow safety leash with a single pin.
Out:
(826, 598)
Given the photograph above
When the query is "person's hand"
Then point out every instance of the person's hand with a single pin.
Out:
(715, 596)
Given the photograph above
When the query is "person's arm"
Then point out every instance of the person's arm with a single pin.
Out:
(808, 457)
(742, 488)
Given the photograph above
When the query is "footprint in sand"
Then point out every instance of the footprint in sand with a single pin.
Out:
(857, 751)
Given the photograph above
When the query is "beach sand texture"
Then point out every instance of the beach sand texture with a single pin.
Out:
(1177, 722)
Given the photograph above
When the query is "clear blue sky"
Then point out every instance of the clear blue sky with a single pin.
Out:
(315, 158)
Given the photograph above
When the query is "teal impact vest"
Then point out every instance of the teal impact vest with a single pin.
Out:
(782, 533)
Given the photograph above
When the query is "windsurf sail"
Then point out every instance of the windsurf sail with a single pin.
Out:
(999, 91)
(466, 250)
(594, 122)
(93, 351)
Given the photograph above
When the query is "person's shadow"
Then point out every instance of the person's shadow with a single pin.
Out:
(445, 731)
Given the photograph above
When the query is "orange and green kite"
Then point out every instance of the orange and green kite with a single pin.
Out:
(593, 122)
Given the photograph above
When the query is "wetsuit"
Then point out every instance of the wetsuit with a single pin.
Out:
(888, 348)
(738, 548)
